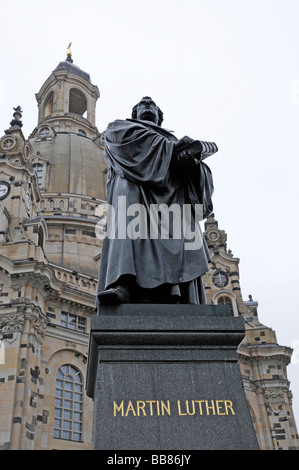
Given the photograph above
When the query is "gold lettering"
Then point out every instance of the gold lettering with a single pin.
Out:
(130, 408)
(219, 404)
(162, 408)
(229, 406)
(212, 406)
(151, 405)
(179, 408)
(140, 407)
(165, 407)
(187, 408)
(119, 408)
(199, 405)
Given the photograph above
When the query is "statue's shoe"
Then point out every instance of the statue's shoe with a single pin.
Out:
(114, 295)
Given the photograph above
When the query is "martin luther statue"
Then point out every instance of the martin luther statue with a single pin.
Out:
(158, 190)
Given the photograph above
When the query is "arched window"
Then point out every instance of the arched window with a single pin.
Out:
(44, 132)
(41, 237)
(38, 168)
(68, 404)
(49, 104)
(78, 102)
(225, 300)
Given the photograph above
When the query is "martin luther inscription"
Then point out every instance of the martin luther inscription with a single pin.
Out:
(180, 407)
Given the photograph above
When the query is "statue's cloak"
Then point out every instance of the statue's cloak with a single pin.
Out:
(141, 172)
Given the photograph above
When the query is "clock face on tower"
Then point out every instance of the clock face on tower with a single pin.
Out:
(4, 189)
(8, 143)
(213, 235)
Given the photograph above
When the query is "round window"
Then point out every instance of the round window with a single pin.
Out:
(220, 279)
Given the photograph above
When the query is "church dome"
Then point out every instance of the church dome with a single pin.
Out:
(72, 162)
(66, 141)
(67, 65)
(68, 157)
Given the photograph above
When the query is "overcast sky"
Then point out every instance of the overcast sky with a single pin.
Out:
(220, 70)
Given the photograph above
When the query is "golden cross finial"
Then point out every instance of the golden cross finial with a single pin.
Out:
(69, 52)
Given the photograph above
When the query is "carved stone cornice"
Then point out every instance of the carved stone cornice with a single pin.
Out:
(31, 271)
(37, 320)
(273, 394)
(11, 322)
(264, 352)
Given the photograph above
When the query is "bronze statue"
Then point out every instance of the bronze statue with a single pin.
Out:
(158, 190)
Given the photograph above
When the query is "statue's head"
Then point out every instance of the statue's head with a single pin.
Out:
(147, 110)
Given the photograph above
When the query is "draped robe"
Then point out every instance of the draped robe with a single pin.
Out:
(141, 171)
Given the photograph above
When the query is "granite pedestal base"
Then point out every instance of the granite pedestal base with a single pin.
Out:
(166, 377)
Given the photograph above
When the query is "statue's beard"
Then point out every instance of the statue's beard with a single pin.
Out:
(148, 116)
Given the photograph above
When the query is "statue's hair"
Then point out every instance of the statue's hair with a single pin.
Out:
(134, 111)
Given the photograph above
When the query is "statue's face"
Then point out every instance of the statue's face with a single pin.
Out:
(147, 110)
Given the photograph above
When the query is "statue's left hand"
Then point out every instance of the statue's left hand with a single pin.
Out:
(182, 142)
(184, 160)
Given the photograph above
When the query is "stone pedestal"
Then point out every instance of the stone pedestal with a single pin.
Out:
(166, 377)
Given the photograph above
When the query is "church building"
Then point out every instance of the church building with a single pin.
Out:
(52, 202)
